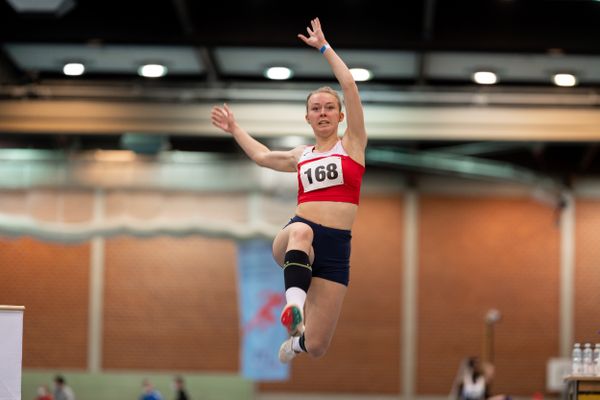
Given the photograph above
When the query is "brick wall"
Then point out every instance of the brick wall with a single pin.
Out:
(477, 254)
(587, 272)
(171, 303)
(51, 281)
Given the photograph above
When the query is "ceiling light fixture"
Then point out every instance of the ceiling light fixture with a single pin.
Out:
(152, 70)
(485, 77)
(565, 80)
(278, 73)
(361, 74)
(73, 69)
(55, 8)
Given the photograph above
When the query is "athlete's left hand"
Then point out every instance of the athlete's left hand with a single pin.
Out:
(316, 36)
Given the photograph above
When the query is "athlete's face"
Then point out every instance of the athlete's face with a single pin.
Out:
(324, 113)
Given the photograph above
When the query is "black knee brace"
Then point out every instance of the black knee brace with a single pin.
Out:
(297, 271)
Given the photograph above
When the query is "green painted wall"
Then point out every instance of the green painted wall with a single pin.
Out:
(128, 385)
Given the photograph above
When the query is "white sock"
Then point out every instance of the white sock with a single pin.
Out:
(296, 344)
(295, 295)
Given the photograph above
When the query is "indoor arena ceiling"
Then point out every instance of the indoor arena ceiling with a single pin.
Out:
(412, 42)
(421, 53)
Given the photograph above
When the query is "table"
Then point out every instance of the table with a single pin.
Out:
(576, 384)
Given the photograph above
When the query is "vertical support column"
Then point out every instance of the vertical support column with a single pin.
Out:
(254, 217)
(254, 208)
(409, 290)
(567, 276)
(96, 289)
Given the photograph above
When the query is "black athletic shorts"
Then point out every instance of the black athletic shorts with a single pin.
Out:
(331, 248)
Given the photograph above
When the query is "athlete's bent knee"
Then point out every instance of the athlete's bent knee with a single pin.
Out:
(317, 348)
(300, 233)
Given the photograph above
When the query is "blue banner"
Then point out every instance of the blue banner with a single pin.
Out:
(261, 299)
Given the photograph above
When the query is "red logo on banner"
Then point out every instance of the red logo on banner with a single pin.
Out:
(267, 312)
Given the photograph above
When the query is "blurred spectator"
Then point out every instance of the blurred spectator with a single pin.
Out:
(149, 392)
(180, 391)
(43, 393)
(62, 391)
(473, 381)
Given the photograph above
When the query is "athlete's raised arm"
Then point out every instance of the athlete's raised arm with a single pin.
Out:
(286, 161)
(355, 137)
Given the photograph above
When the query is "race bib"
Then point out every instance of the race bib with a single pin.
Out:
(322, 173)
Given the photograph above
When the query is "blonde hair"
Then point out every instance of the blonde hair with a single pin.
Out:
(325, 89)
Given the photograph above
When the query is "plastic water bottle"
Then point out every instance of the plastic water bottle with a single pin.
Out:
(588, 366)
(596, 359)
(576, 360)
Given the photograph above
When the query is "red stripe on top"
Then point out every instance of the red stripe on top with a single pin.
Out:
(348, 192)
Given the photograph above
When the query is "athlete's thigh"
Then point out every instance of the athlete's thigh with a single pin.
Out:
(280, 244)
(322, 309)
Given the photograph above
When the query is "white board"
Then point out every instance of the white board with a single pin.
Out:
(11, 349)
(556, 370)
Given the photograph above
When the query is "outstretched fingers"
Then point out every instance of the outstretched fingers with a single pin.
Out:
(316, 24)
(216, 112)
(215, 121)
(227, 110)
(220, 116)
(315, 34)
(304, 38)
(223, 112)
(216, 117)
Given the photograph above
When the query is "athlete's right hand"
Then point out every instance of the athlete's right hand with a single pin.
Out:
(222, 118)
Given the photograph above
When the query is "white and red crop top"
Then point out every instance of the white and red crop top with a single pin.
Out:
(329, 176)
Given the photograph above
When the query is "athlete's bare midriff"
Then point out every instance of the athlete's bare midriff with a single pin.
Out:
(332, 214)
